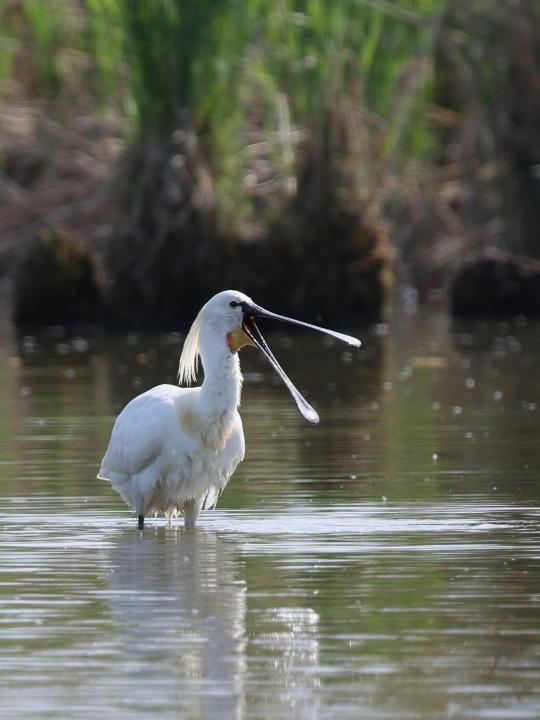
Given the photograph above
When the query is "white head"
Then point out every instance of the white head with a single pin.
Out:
(223, 313)
(229, 317)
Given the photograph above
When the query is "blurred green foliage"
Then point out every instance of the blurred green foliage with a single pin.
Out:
(171, 56)
(251, 116)
(234, 71)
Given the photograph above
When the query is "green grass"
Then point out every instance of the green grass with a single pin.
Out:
(172, 58)
(44, 28)
(223, 67)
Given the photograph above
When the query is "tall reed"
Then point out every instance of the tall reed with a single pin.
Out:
(258, 72)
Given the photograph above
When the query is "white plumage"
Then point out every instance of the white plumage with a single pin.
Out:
(172, 449)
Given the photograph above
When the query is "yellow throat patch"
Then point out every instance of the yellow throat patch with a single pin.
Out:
(238, 339)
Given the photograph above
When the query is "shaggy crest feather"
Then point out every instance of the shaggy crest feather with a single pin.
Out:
(189, 359)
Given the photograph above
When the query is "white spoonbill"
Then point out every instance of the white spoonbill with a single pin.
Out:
(173, 449)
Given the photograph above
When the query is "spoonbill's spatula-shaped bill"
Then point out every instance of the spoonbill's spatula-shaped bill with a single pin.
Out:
(252, 311)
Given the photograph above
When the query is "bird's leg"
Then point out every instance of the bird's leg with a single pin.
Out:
(191, 510)
(140, 521)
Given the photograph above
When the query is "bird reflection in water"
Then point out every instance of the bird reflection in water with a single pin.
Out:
(179, 604)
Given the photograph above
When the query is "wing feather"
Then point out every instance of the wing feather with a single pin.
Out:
(139, 433)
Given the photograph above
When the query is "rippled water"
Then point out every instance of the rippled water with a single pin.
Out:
(384, 564)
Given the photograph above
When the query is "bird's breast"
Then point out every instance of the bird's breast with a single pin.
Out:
(190, 420)
(212, 434)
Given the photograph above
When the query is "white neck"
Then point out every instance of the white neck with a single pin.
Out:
(219, 396)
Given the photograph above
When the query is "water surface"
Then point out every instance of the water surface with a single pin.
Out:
(384, 564)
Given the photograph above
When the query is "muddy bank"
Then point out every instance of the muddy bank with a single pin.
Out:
(339, 270)
(496, 284)
(148, 250)
(339, 273)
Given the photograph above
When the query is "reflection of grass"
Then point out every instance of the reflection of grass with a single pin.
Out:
(365, 606)
(58, 423)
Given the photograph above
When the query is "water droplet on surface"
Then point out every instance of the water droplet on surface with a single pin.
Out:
(80, 344)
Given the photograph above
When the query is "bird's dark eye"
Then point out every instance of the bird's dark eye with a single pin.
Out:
(233, 303)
